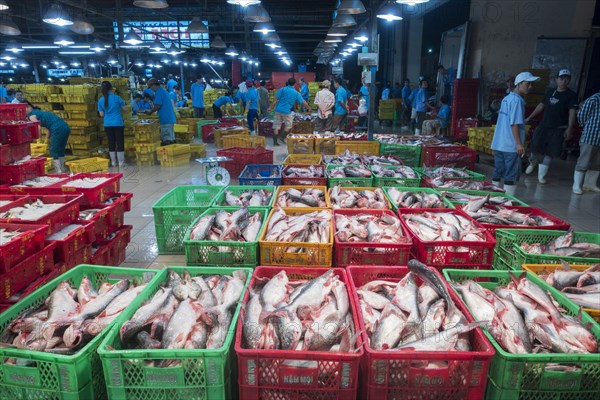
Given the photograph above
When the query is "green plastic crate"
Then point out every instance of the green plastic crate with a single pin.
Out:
(508, 242)
(447, 202)
(175, 211)
(474, 176)
(484, 193)
(200, 124)
(60, 377)
(206, 252)
(407, 182)
(409, 154)
(202, 375)
(219, 201)
(523, 376)
(348, 181)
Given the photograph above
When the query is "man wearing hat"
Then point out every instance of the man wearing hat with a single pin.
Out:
(251, 105)
(166, 113)
(324, 100)
(509, 135)
(560, 116)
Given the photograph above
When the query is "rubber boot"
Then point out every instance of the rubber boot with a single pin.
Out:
(121, 157)
(113, 159)
(417, 132)
(578, 177)
(589, 184)
(275, 143)
(497, 183)
(533, 162)
(58, 169)
(510, 189)
(542, 172)
(63, 167)
(283, 136)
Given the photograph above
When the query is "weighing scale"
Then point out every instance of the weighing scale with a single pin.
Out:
(212, 173)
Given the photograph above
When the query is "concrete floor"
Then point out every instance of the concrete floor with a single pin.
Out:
(148, 184)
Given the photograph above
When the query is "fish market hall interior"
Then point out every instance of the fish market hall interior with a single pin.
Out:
(278, 200)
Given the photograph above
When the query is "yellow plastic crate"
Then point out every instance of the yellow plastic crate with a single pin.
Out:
(198, 150)
(175, 162)
(325, 146)
(94, 164)
(80, 90)
(181, 128)
(303, 127)
(48, 165)
(368, 147)
(37, 88)
(38, 149)
(145, 148)
(303, 159)
(301, 144)
(173, 150)
(244, 141)
(79, 107)
(221, 133)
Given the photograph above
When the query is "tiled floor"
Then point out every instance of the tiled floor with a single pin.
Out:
(148, 184)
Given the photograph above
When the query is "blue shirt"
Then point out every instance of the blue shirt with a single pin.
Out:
(365, 92)
(252, 97)
(112, 113)
(288, 97)
(419, 97)
(385, 95)
(197, 92)
(145, 106)
(304, 91)
(512, 112)
(148, 91)
(341, 96)
(222, 101)
(396, 93)
(166, 112)
(50, 121)
(136, 107)
(444, 112)
(171, 84)
(406, 93)
(3, 94)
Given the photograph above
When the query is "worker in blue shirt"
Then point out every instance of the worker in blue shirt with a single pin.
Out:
(147, 91)
(442, 117)
(136, 104)
(406, 107)
(166, 113)
(385, 95)
(364, 90)
(197, 93)
(340, 110)
(171, 83)
(396, 91)
(419, 100)
(251, 105)
(110, 107)
(178, 100)
(57, 136)
(3, 94)
(304, 90)
(146, 103)
(223, 101)
(285, 100)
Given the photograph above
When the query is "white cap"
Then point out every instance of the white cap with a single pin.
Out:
(525, 77)
(564, 72)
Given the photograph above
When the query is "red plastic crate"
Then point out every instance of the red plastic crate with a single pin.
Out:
(55, 220)
(304, 181)
(404, 374)
(265, 128)
(242, 156)
(74, 241)
(13, 112)
(118, 248)
(22, 132)
(558, 224)
(82, 256)
(17, 173)
(101, 254)
(11, 153)
(461, 130)
(10, 198)
(262, 374)
(448, 156)
(229, 121)
(41, 281)
(443, 254)
(24, 190)
(26, 272)
(92, 197)
(208, 131)
(357, 253)
(28, 242)
(116, 218)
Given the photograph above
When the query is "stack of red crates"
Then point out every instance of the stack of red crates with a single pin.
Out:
(464, 106)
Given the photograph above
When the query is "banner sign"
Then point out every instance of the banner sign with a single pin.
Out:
(169, 31)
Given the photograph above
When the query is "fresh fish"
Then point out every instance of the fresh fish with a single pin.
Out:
(348, 198)
(384, 228)
(145, 314)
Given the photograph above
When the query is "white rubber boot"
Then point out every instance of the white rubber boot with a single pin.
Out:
(497, 183)
(510, 189)
(121, 157)
(533, 162)
(113, 159)
(577, 181)
(589, 184)
(58, 168)
(542, 172)
(417, 132)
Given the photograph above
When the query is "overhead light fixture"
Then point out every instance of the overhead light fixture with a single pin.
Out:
(390, 12)
(411, 2)
(354, 45)
(44, 64)
(264, 27)
(281, 52)
(3, 5)
(13, 47)
(271, 37)
(243, 3)
(39, 46)
(194, 64)
(157, 46)
(243, 56)
(55, 61)
(75, 63)
(256, 13)
(333, 39)
(351, 7)
(8, 27)
(197, 26)
(334, 31)
(231, 51)
(7, 57)
(362, 35)
(218, 43)
(133, 38)
(150, 64)
(92, 64)
(82, 26)
(112, 60)
(156, 4)
(75, 52)
(176, 62)
(344, 21)
(174, 50)
(186, 63)
(97, 46)
(56, 15)
(273, 45)
(165, 60)
(62, 66)
(139, 63)
(205, 58)
(63, 40)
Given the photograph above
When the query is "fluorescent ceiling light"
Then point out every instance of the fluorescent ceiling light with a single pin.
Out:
(218, 43)
(63, 40)
(390, 12)
(333, 39)
(362, 35)
(133, 38)
(197, 26)
(75, 52)
(156, 4)
(354, 45)
(264, 27)
(344, 21)
(81, 46)
(256, 13)
(56, 15)
(231, 51)
(7, 57)
(176, 62)
(340, 32)
(165, 60)
(8, 27)
(97, 46)
(3, 5)
(55, 61)
(82, 26)
(13, 47)
(243, 3)
(157, 46)
(411, 2)
(139, 63)
(112, 60)
(351, 7)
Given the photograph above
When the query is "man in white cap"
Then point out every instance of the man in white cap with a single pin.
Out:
(560, 116)
(588, 163)
(324, 100)
(509, 135)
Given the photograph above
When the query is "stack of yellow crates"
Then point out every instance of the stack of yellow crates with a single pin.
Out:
(80, 104)
(147, 140)
(198, 150)
(387, 109)
(38, 93)
(174, 155)
(186, 129)
(313, 88)
(210, 96)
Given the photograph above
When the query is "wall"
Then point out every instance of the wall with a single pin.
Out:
(415, 39)
(504, 33)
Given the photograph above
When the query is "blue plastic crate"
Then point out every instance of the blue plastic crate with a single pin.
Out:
(261, 174)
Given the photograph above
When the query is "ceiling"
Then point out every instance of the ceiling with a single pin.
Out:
(299, 24)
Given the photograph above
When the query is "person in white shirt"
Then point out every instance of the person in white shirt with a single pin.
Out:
(324, 100)
(19, 97)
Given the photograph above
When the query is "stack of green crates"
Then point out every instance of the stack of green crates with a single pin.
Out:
(408, 153)
(175, 212)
